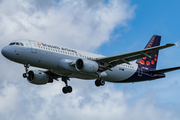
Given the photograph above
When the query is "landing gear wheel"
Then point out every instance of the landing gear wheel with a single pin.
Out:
(102, 82)
(24, 75)
(99, 82)
(67, 89)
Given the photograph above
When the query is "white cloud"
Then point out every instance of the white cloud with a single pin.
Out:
(84, 24)
(48, 102)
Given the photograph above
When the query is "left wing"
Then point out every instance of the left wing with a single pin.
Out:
(51, 74)
(109, 62)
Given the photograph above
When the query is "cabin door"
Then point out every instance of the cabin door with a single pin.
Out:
(33, 46)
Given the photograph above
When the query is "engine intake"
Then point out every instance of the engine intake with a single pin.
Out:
(38, 77)
(86, 65)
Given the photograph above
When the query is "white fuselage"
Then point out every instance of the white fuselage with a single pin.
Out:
(50, 57)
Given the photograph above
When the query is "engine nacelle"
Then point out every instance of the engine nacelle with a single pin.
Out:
(66, 64)
(38, 77)
(86, 65)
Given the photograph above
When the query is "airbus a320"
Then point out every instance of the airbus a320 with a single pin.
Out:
(65, 63)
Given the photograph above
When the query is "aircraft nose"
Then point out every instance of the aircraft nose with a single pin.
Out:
(5, 51)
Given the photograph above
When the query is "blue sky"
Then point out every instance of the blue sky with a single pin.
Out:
(151, 17)
(104, 27)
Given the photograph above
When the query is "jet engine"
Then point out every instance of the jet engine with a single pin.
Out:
(86, 65)
(38, 77)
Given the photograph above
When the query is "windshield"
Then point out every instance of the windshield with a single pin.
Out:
(17, 43)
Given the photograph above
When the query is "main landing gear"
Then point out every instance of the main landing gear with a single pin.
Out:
(25, 75)
(66, 89)
(99, 82)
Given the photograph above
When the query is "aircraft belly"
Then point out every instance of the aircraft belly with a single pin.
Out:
(80, 75)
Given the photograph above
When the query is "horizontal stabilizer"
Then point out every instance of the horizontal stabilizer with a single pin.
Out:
(165, 70)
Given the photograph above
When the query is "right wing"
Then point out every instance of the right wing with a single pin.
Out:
(109, 62)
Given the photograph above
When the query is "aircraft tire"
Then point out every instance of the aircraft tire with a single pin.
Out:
(24, 75)
(97, 83)
(69, 89)
(102, 82)
(65, 90)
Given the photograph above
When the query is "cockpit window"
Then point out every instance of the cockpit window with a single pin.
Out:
(21, 44)
(12, 43)
(16, 43)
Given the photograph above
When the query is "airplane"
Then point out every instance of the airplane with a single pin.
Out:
(65, 63)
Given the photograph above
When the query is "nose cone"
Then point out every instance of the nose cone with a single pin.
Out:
(5, 52)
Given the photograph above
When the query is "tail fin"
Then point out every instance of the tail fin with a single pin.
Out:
(151, 62)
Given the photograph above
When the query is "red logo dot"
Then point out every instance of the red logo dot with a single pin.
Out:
(155, 55)
(144, 58)
(147, 63)
(152, 62)
(142, 62)
(155, 59)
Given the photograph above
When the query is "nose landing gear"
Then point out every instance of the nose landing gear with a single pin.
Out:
(25, 75)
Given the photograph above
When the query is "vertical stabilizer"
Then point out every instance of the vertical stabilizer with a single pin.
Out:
(151, 62)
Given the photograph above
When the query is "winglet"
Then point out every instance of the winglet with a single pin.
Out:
(176, 44)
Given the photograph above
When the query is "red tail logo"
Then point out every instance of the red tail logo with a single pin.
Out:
(143, 61)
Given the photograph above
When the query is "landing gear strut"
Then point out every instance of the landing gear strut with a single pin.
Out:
(99, 82)
(25, 75)
(66, 89)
